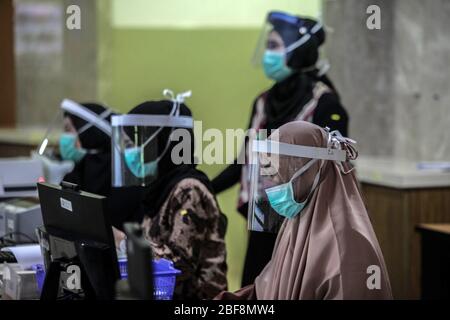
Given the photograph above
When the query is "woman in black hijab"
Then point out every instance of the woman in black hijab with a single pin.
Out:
(91, 154)
(299, 93)
(93, 171)
(183, 221)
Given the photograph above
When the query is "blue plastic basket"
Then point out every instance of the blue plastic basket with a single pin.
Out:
(123, 268)
(164, 277)
(40, 275)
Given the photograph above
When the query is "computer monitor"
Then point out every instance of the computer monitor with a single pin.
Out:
(139, 264)
(80, 217)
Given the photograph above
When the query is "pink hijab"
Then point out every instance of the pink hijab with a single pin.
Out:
(329, 250)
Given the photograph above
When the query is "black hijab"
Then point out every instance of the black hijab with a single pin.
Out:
(93, 172)
(285, 99)
(169, 173)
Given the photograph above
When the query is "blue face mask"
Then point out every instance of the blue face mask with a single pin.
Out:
(68, 149)
(133, 159)
(282, 200)
(281, 197)
(274, 64)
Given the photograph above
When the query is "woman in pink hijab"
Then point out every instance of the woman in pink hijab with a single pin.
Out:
(326, 247)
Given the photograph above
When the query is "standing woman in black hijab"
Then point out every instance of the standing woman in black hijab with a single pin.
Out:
(289, 50)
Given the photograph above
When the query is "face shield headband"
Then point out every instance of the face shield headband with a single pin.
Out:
(91, 118)
(296, 22)
(133, 153)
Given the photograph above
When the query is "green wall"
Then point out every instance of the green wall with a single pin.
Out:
(203, 13)
(215, 65)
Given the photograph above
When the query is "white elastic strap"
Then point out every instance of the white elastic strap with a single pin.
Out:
(304, 38)
(88, 125)
(323, 66)
(316, 27)
(316, 179)
(179, 97)
(144, 120)
(298, 43)
(177, 100)
(86, 114)
(92, 151)
(304, 168)
(268, 146)
(341, 167)
(169, 94)
(151, 137)
(182, 96)
(174, 112)
(165, 148)
(315, 182)
(171, 120)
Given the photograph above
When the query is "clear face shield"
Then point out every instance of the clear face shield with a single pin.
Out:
(63, 131)
(68, 135)
(263, 43)
(276, 169)
(137, 145)
(281, 34)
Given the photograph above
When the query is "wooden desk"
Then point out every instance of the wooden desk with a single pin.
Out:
(398, 197)
(22, 141)
(10, 150)
(435, 278)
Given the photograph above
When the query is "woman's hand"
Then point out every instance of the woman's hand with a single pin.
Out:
(119, 236)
